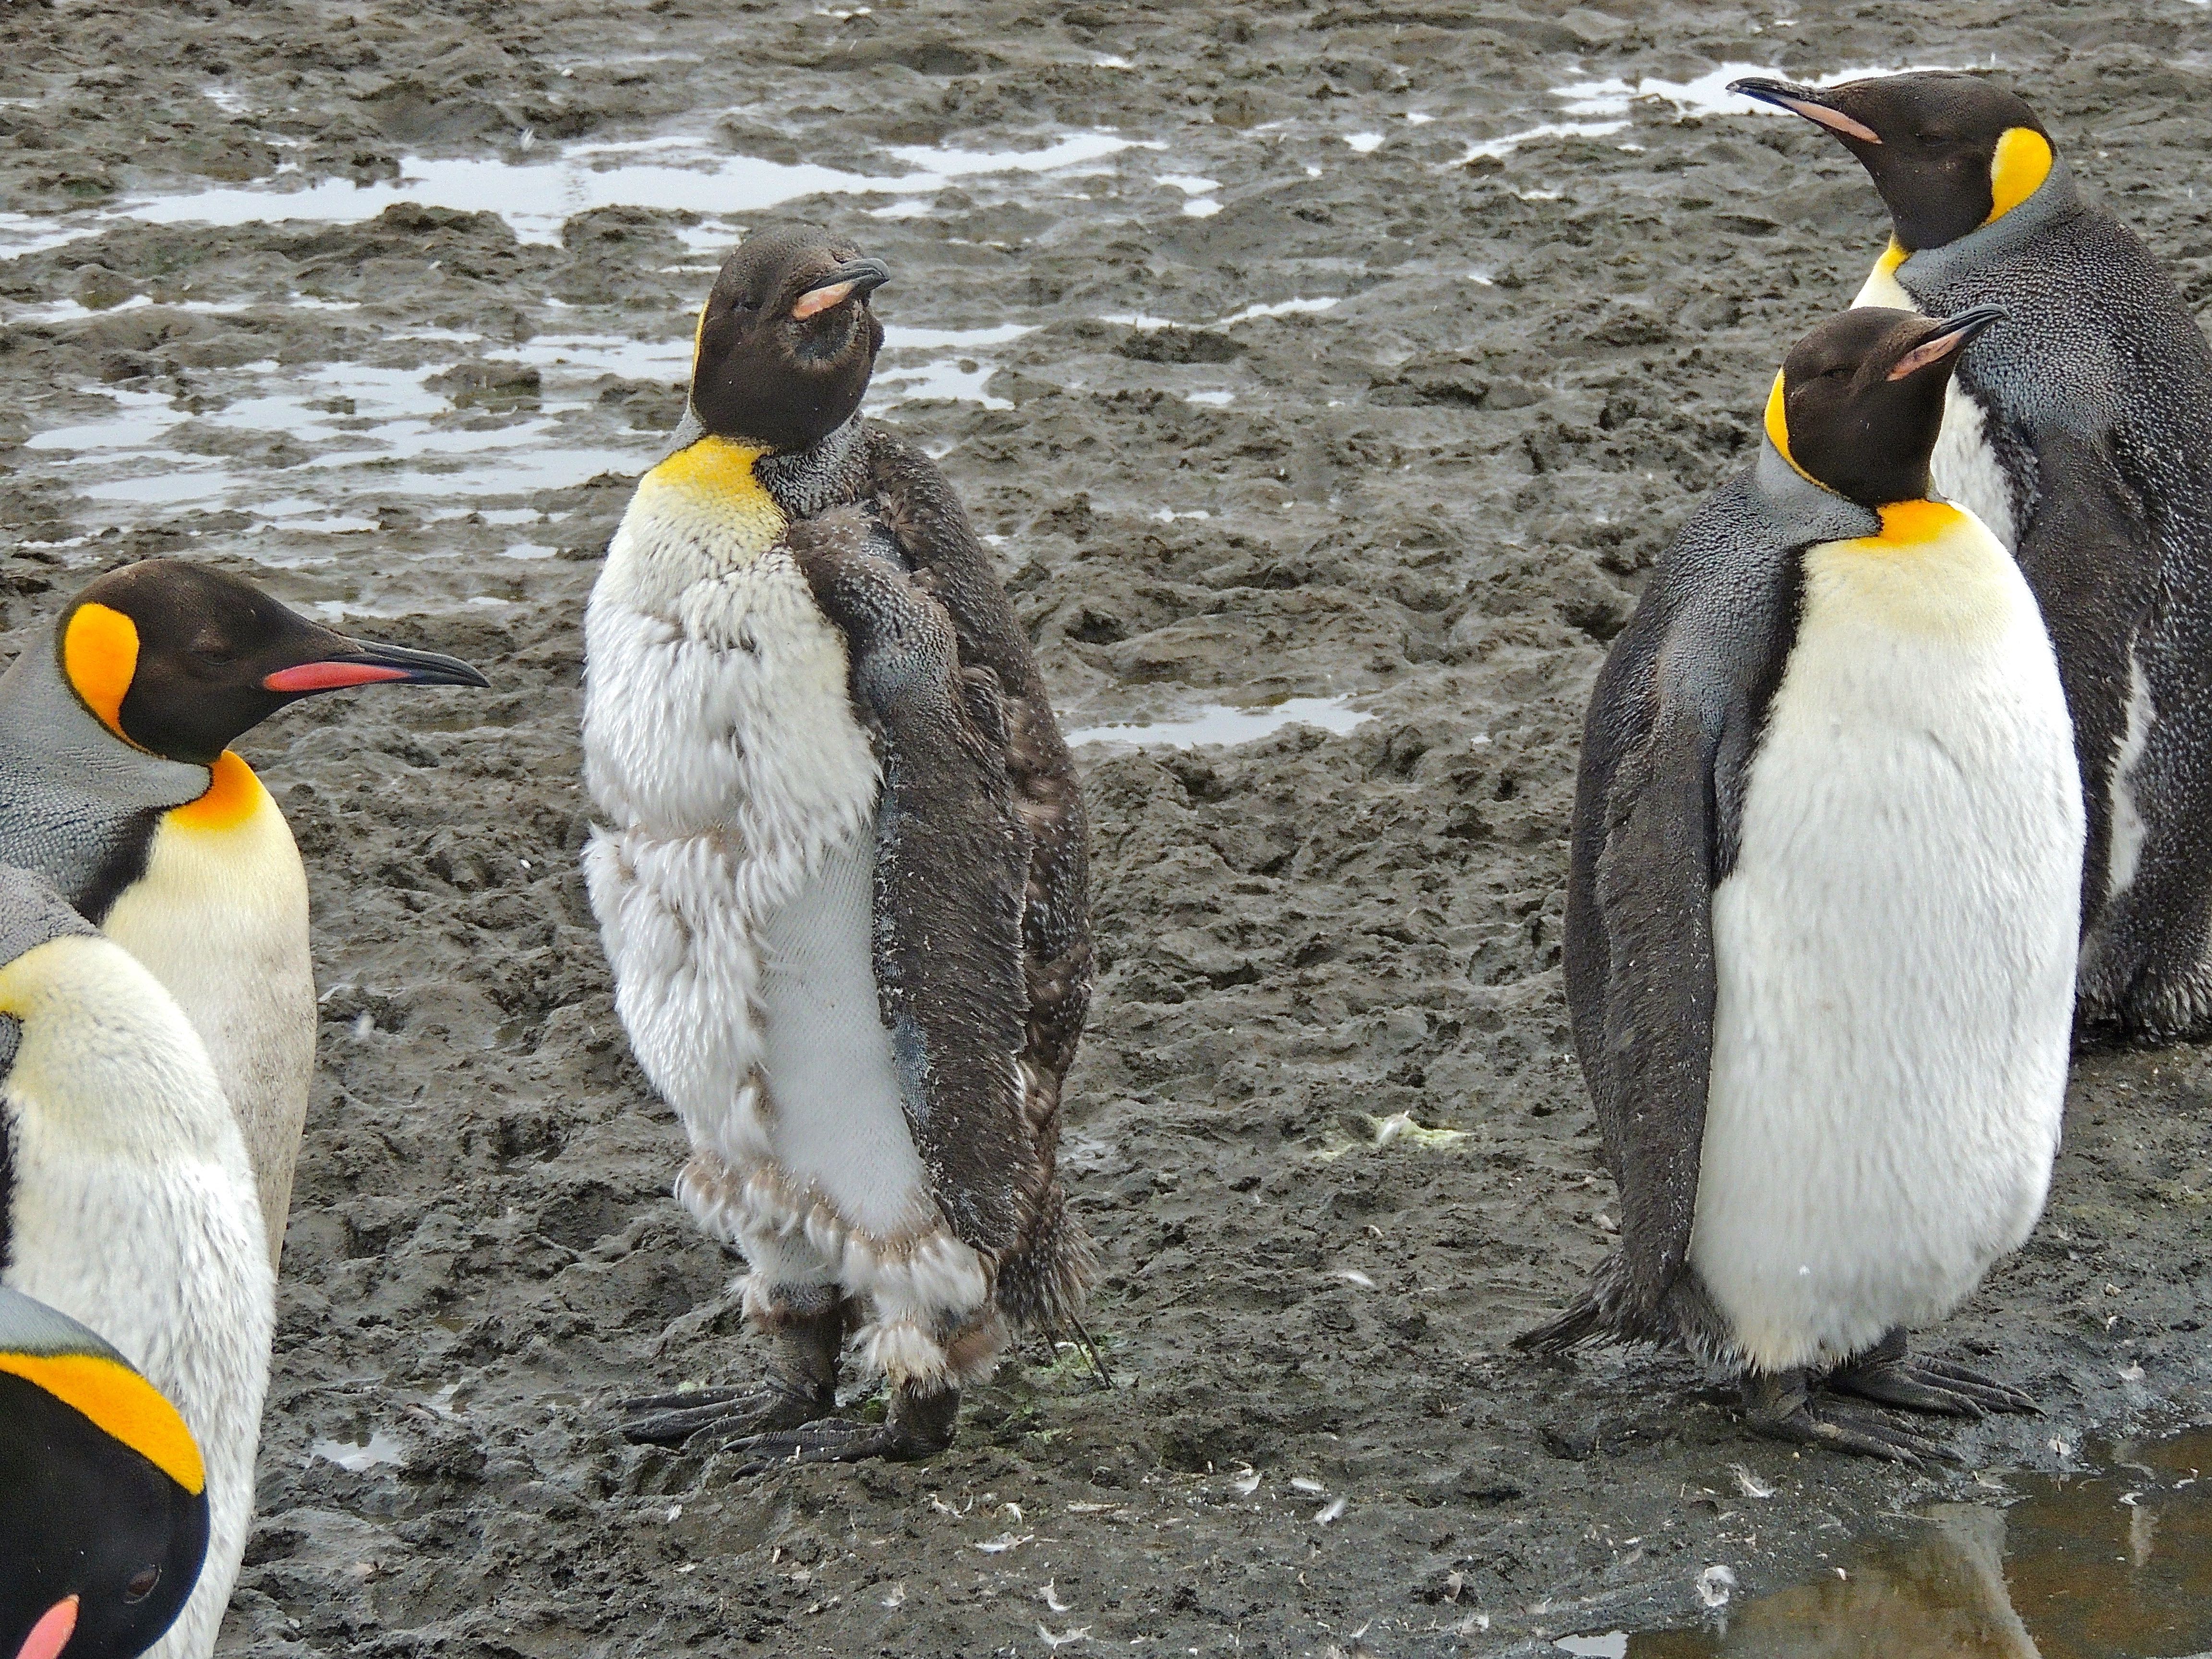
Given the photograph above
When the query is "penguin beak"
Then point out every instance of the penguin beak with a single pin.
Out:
(1807, 101)
(52, 1632)
(856, 277)
(1950, 338)
(368, 664)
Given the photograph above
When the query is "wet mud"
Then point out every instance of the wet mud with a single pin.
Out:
(1353, 360)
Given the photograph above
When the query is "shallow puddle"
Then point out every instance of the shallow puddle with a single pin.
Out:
(1219, 723)
(2111, 1565)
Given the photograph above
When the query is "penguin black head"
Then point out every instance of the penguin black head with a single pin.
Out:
(1948, 152)
(786, 340)
(103, 1497)
(1860, 399)
(180, 660)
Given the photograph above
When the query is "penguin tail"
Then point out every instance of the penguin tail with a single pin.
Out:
(1043, 1282)
(1610, 1310)
(1585, 1321)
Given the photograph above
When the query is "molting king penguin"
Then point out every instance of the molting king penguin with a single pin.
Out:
(2082, 433)
(1821, 922)
(126, 1201)
(103, 1497)
(842, 875)
(118, 784)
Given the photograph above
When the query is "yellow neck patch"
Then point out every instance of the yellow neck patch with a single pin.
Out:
(2017, 170)
(1892, 257)
(1909, 524)
(713, 484)
(234, 795)
(1777, 428)
(123, 1405)
(99, 653)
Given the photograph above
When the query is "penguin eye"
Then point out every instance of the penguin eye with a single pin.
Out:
(215, 656)
(141, 1583)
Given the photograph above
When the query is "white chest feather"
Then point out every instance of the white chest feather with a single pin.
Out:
(220, 918)
(1895, 953)
(732, 876)
(135, 1211)
(1965, 465)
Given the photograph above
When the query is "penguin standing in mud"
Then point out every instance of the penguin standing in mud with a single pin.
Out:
(103, 1496)
(118, 784)
(840, 878)
(129, 1203)
(1821, 923)
(2082, 433)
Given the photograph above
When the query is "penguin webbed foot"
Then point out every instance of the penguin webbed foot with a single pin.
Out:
(714, 1415)
(918, 1426)
(1938, 1386)
(1779, 1405)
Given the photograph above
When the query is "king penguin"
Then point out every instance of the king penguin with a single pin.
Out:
(840, 877)
(103, 1496)
(2082, 433)
(1821, 922)
(118, 784)
(126, 1201)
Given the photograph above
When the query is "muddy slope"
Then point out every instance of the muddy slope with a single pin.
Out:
(1437, 495)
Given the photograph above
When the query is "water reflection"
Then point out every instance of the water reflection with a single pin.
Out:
(2116, 1565)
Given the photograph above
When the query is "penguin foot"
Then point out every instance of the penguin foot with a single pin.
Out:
(918, 1426)
(1779, 1405)
(671, 1420)
(1929, 1385)
(1883, 1374)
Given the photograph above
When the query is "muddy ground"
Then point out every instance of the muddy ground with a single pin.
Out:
(1437, 496)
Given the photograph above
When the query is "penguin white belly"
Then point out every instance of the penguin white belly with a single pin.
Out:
(220, 918)
(1895, 954)
(134, 1210)
(733, 877)
(837, 1124)
(1964, 466)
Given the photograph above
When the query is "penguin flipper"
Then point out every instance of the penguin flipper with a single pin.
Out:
(1042, 1280)
(951, 857)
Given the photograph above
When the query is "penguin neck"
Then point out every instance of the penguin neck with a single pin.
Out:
(48, 735)
(1800, 512)
(711, 488)
(1897, 273)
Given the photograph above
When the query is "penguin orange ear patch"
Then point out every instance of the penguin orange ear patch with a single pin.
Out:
(124, 1406)
(99, 653)
(2017, 169)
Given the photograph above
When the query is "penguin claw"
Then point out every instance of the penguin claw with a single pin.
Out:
(1779, 1405)
(1934, 1386)
(1845, 1430)
(674, 1419)
(830, 1440)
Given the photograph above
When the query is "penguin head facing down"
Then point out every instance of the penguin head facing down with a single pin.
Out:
(103, 1497)
(179, 659)
(1860, 399)
(1948, 152)
(787, 341)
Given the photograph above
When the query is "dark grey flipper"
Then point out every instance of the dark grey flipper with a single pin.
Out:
(1674, 721)
(951, 854)
(1041, 1282)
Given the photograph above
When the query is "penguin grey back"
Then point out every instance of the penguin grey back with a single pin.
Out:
(76, 805)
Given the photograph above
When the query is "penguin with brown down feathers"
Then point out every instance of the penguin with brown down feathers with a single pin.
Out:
(840, 874)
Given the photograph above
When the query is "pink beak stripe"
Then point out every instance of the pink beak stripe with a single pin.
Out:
(330, 676)
(822, 298)
(52, 1632)
(1834, 119)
